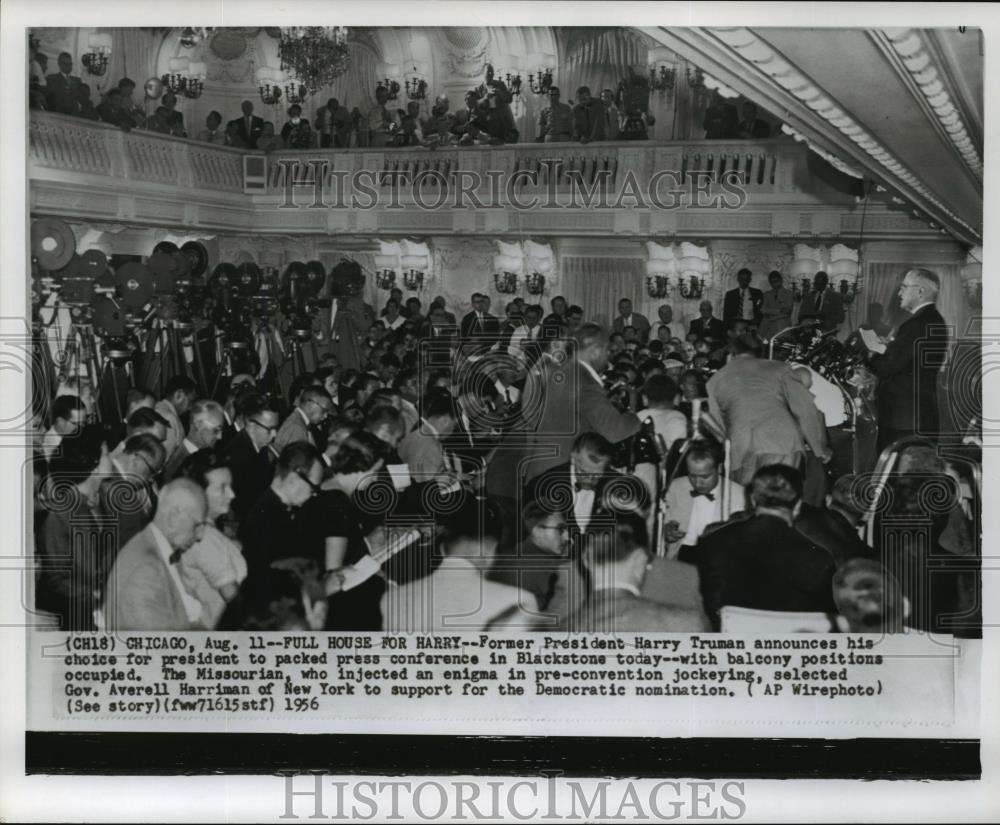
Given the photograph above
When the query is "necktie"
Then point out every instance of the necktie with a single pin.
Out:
(175, 556)
(709, 496)
(819, 303)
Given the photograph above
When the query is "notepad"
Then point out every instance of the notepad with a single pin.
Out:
(872, 341)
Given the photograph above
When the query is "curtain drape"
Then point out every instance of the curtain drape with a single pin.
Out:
(133, 54)
(597, 284)
(356, 87)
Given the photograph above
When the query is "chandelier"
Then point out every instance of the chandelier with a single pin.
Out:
(191, 36)
(316, 55)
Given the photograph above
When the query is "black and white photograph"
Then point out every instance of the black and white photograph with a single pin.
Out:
(585, 398)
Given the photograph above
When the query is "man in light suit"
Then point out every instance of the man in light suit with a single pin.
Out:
(768, 415)
(459, 595)
(909, 367)
(694, 501)
(573, 401)
(178, 396)
(627, 318)
(776, 308)
(617, 570)
(422, 448)
(743, 303)
(144, 590)
(824, 303)
(314, 407)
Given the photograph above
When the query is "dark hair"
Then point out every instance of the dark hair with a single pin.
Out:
(198, 465)
(66, 404)
(313, 393)
(472, 521)
(80, 455)
(533, 514)
(659, 389)
(297, 457)
(359, 452)
(586, 335)
(147, 445)
(389, 360)
(144, 419)
(180, 383)
(298, 385)
(700, 450)
(747, 343)
(744, 271)
(404, 376)
(574, 310)
(776, 485)
(655, 347)
(253, 404)
(136, 394)
(438, 403)
(774, 272)
(616, 544)
(593, 443)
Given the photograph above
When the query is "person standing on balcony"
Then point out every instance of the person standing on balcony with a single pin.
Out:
(84, 105)
(823, 303)
(496, 118)
(752, 127)
(776, 308)
(60, 88)
(742, 303)
(296, 133)
(333, 122)
(247, 128)
(379, 120)
(612, 116)
(588, 117)
(213, 132)
(555, 123)
(721, 120)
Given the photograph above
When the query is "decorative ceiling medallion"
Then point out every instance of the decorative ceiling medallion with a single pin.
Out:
(229, 44)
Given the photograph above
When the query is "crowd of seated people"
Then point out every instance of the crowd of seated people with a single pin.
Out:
(481, 490)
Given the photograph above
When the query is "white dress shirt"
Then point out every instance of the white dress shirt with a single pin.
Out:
(583, 502)
(746, 311)
(703, 513)
(191, 604)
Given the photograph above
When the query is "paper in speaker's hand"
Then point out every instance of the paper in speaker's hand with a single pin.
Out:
(872, 341)
(359, 572)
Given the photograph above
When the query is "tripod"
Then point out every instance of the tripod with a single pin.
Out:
(82, 358)
(164, 356)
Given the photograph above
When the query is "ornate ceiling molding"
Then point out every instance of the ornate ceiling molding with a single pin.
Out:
(913, 59)
(744, 61)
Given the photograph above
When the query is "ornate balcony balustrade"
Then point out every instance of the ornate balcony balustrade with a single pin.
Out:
(79, 169)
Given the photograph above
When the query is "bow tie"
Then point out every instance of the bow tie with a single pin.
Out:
(709, 496)
(176, 556)
(581, 487)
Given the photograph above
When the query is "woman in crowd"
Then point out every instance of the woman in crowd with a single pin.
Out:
(76, 548)
(296, 133)
(344, 505)
(214, 567)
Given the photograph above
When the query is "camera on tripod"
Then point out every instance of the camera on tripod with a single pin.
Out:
(301, 285)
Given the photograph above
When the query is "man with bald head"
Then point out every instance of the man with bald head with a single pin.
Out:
(145, 590)
(208, 420)
(908, 369)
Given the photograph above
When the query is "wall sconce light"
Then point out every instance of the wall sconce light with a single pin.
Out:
(535, 282)
(657, 286)
(385, 271)
(693, 287)
(413, 271)
(96, 60)
(296, 94)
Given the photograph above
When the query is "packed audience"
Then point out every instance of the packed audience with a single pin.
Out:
(485, 117)
(530, 472)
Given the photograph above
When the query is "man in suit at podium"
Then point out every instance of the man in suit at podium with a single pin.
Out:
(249, 127)
(909, 367)
(742, 303)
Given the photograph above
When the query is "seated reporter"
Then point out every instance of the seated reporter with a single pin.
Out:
(213, 567)
(75, 548)
(144, 420)
(128, 492)
(207, 424)
(248, 454)
(339, 512)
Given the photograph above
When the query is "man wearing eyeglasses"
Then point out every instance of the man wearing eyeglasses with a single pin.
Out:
(248, 455)
(129, 494)
(314, 407)
(909, 367)
(274, 529)
(207, 423)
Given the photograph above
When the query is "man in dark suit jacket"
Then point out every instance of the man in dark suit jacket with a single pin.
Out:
(144, 590)
(834, 527)
(249, 127)
(707, 326)
(823, 303)
(617, 570)
(909, 367)
(576, 489)
(752, 127)
(61, 88)
(479, 327)
(762, 562)
(744, 302)
(572, 401)
(128, 494)
(248, 455)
